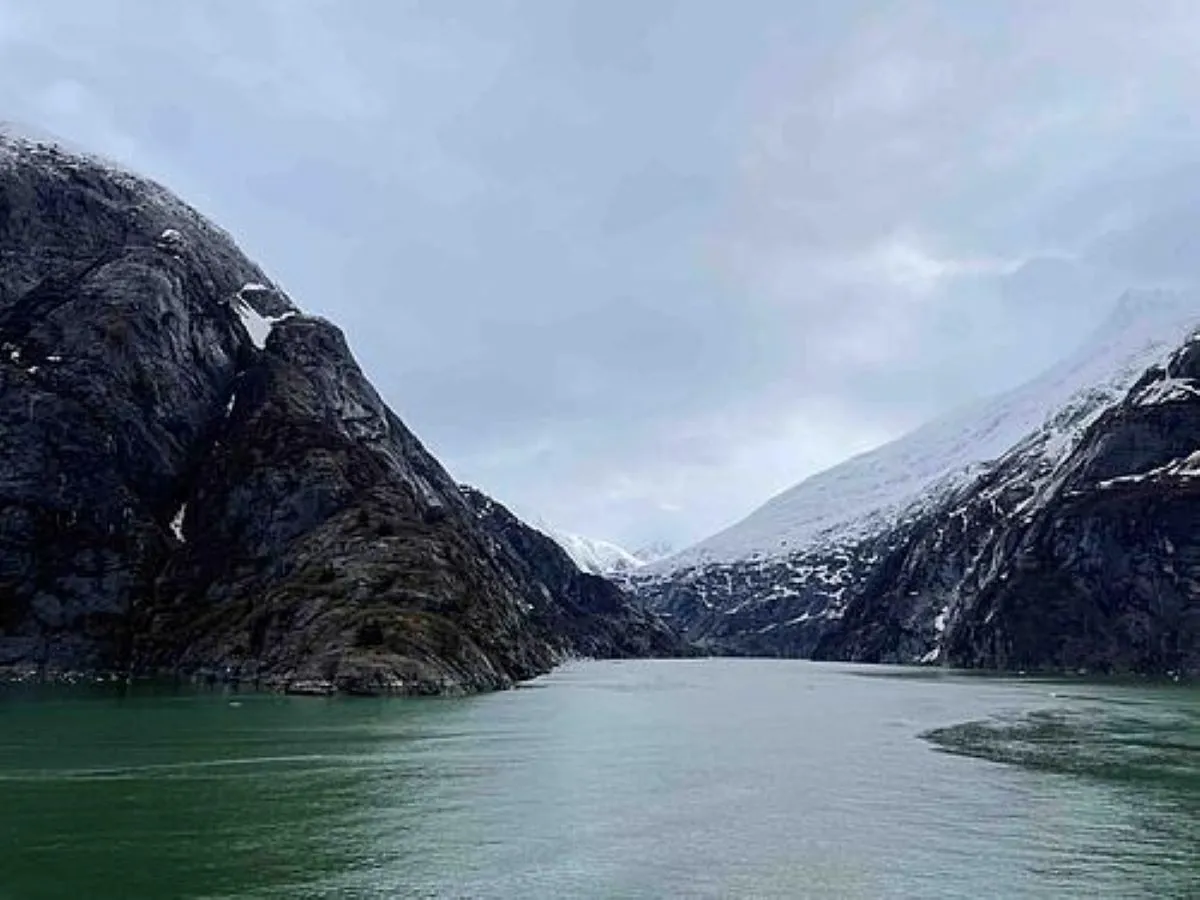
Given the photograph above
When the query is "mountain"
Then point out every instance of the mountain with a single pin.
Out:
(197, 479)
(604, 557)
(1092, 564)
(654, 551)
(597, 614)
(596, 556)
(888, 556)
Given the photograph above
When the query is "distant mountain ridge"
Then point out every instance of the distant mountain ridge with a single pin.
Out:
(876, 487)
(596, 556)
(604, 557)
(817, 570)
(591, 608)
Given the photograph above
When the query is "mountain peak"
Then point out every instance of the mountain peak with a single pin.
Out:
(597, 557)
(232, 499)
(864, 493)
(17, 138)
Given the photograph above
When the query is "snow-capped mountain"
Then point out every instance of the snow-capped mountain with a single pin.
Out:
(875, 489)
(878, 557)
(654, 551)
(595, 556)
(599, 557)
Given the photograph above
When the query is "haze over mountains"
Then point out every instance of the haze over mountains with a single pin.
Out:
(891, 555)
(876, 488)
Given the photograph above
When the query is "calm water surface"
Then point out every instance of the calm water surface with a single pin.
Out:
(702, 778)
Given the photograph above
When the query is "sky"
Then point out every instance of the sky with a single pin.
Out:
(633, 267)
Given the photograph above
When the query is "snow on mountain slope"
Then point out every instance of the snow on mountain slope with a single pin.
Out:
(17, 134)
(595, 556)
(872, 491)
(654, 551)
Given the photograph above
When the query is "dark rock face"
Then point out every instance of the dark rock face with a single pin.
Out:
(322, 544)
(769, 608)
(1089, 561)
(1092, 566)
(595, 616)
(195, 478)
(1106, 575)
(116, 353)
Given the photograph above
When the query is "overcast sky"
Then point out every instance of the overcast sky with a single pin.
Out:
(635, 266)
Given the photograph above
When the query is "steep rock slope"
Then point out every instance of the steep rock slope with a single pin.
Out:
(321, 544)
(1091, 564)
(118, 348)
(196, 478)
(1104, 571)
(868, 560)
(600, 619)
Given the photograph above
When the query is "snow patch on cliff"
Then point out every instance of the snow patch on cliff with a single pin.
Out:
(1184, 467)
(257, 325)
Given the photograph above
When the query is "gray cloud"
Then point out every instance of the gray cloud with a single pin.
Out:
(635, 266)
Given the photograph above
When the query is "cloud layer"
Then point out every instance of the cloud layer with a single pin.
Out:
(633, 267)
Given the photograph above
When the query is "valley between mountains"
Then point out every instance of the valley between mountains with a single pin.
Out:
(197, 481)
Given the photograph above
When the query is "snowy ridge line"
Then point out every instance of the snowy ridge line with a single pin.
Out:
(1041, 420)
(593, 556)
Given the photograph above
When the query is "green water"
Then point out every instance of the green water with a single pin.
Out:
(702, 778)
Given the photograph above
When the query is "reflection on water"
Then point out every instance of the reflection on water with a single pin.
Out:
(699, 778)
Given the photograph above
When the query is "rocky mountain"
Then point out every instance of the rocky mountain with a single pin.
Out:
(196, 478)
(600, 618)
(1003, 535)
